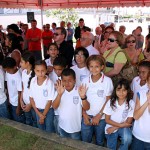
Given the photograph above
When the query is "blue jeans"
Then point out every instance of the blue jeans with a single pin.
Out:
(48, 122)
(4, 110)
(125, 135)
(14, 116)
(87, 132)
(56, 123)
(30, 118)
(75, 136)
(139, 145)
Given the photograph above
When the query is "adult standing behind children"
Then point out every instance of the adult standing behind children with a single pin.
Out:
(65, 49)
(47, 36)
(33, 36)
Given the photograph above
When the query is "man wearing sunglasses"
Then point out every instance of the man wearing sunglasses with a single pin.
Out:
(65, 49)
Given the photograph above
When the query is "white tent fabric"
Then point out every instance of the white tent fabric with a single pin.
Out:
(47, 4)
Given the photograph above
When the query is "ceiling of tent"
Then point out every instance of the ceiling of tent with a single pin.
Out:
(71, 3)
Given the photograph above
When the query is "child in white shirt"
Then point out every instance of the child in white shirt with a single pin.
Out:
(98, 93)
(14, 87)
(141, 127)
(119, 116)
(53, 53)
(27, 64)
(139, 82)
(41, 96)
(70, 102)
(80, 55)
(3, 99)
(59, 65)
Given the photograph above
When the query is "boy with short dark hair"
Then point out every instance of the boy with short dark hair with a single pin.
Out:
(70, 100)
(14, 86)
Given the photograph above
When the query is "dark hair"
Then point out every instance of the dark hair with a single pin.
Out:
(81, 49)
(68, 72)
(54, 44)
(15, 44)
(122, 82)
(14, 27)
(33, 20)
(144, 64)
(98, 58)
(9, 62)
(110, 27)
(81, 19)
(41, 62)
(1, 58)
(28, 57)
(60, 61)
(63, 31)
(54, 24)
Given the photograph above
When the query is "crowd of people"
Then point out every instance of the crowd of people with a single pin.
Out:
(78, 92)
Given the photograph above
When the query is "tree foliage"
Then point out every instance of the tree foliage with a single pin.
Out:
(67, 15)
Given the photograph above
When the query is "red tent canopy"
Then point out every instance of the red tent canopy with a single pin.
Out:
(71, 3)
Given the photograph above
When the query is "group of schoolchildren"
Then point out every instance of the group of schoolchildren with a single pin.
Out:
(78, 102)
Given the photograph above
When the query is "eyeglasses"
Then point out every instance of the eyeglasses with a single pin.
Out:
(132, 41)
(79, 55)
(111, 40)
(56, 34)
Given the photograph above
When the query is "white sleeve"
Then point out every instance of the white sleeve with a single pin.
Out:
(51, 90)
(31, 89)
(110, 87)
(131, 109)
(107, 110)
(19, 84)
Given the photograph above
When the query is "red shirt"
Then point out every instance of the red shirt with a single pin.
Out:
(34, 33)
(46, 42)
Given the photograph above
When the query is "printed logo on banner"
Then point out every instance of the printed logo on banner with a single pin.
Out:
(45, 92)
(100, 93)
(76, 99)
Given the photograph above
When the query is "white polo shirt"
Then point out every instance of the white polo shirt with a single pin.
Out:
(119, 113)
(136, 87)
(14, 85)
(41, 93)
(81, 73)
(141, 128)
(92, 50)
(70, 111)
(2, 89)
(97, 92)
(25, 80)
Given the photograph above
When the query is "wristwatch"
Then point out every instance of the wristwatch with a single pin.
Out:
(101, 113)
(84, 98)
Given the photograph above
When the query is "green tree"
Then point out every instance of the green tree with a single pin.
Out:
(67, 15)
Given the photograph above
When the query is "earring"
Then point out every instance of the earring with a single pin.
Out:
(10, 44)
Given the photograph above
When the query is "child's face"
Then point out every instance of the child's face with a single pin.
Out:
(58, 70)
(40, 71)
(143, 73)
(23, 64)
(80, 58)
(53, 51)
(121, 93)
(95, 67)
(68, 82)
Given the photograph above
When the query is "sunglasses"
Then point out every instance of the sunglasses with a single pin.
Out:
(56, 34)
(132, 41)
(111, 40)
